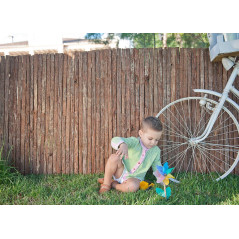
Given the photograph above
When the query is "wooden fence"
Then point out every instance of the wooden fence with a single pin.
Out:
(58, 113)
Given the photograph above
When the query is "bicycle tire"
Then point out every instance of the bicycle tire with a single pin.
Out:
(185, 119)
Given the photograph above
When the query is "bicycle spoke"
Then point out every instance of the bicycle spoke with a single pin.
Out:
(190, 116)
(221, 124)
(218, 151)
(166, 146)
(188, 119)
(220, 116)
(216, 157)
(173, 149)
(171, 145)
(229, 132)
(187, 129)
(200, 168)
(202, 128)
(221, 145)
(223, 127)
(176, 134)
(220, 139)
(169, 141)
(173, 125)
(195, 162)
(178, 120)
(205, 162)
(199, 123)
(209, 160)
(214, 162)
(184, 117)
(189, 164)
(184, 156)
(177, 155)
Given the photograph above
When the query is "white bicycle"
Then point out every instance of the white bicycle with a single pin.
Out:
(201, 134)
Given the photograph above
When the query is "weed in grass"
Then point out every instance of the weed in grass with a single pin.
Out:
(7, 173)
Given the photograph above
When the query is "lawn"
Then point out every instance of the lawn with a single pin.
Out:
(83, 190)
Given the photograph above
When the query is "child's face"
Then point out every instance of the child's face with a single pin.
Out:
(150, 137)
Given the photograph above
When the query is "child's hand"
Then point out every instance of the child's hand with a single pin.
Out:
(123, 151)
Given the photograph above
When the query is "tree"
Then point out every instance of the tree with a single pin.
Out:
(143, 40)
(165, 40)
(188, 40)
(156, 40)
(97, 37)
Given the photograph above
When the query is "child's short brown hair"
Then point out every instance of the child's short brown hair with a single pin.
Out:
(153, 123)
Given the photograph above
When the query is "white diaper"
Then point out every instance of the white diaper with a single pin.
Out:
(120, 179)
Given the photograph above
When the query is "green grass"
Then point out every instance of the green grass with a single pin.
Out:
(83, 190)
(7, 173)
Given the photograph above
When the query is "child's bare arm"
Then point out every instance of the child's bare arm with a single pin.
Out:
(123, 151)
(123, 144)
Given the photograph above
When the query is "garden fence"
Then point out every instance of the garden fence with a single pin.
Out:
(58, 112)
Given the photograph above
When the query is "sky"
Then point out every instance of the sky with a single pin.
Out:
(73, 18)
(41, 19)
(37, 37)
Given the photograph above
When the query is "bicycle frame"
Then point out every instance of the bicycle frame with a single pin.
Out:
(223, 97)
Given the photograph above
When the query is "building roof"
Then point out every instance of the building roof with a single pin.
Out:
(66, 40)
(15, 44)
(67, 45)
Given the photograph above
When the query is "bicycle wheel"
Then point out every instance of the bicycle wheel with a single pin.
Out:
(185, 119)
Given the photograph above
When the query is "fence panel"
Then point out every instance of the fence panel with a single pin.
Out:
(58, 113)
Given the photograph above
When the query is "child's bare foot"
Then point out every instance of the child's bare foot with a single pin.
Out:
(101, 180)
(113, 184)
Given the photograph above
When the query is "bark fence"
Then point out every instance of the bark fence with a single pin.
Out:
(58, 113)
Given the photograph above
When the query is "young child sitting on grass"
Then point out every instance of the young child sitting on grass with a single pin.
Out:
(134, 156)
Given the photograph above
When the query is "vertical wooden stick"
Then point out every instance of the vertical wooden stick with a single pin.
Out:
(165, 191)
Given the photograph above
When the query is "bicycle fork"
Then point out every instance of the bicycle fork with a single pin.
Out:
(194, 141)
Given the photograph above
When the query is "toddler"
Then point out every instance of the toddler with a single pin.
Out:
(133, 158)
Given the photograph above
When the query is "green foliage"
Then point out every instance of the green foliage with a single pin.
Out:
(7, 173)
(97, 38)
(154, 40)
(187, 40)
(143, 40)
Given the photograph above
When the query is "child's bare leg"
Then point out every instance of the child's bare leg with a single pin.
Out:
(131, 185)
(114, 166)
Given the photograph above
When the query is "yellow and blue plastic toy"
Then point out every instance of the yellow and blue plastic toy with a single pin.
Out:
(145, 186)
